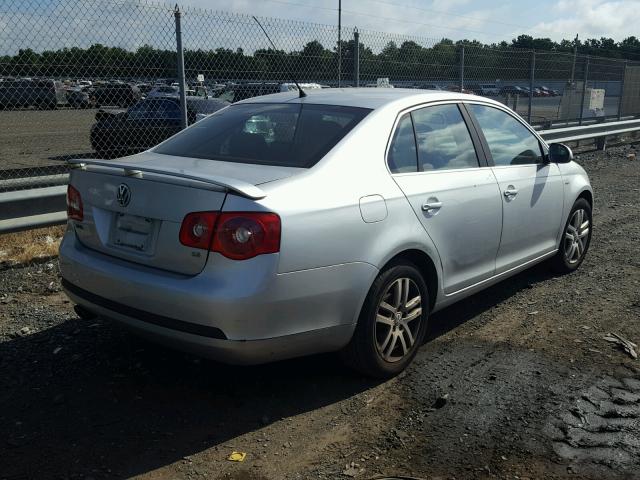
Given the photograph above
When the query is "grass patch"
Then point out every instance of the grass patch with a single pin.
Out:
(30, 245)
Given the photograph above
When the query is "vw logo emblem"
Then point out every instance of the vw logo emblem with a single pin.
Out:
(124, 195)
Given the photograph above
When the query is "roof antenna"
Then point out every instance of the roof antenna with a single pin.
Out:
(300, 91)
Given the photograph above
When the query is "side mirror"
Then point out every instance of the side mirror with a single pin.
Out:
(560, 153)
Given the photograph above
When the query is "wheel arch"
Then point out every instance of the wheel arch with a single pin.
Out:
(587, 195)
(427, 268)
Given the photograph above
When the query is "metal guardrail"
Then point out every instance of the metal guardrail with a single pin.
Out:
(41, 207)
(586, 132)
(37, 207)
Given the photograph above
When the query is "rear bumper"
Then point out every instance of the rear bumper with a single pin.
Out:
(211, 343)
(237, 312)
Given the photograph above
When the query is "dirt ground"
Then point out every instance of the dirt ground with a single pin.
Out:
(516, 382)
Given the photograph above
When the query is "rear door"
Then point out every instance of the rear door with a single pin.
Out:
(531, 189)
(451, 191)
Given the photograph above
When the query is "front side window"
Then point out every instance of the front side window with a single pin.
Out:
(444, 142)
(291, 135)
(510, 142)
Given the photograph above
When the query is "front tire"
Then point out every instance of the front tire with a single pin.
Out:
(392, 322)
(575, 240)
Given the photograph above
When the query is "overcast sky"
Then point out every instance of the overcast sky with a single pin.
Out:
(486, 20)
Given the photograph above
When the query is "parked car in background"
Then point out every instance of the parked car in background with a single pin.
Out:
(241, 91)
(173, 91)
(144, 87)
(80, 97)
(456, 88)
(489, 89)
(484, 89)
(164, 91)
(145, 124)
(116, 94)
(514, 90)
(38, 93)
(236, 92)
(289, 87)
(474, 88)
(285, 226)
(537, 92)
(427, 86)
(549, 91)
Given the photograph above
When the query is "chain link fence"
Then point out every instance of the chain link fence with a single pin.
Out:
(102, 78)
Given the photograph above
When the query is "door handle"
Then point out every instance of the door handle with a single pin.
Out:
(431, 206)
(510, 192)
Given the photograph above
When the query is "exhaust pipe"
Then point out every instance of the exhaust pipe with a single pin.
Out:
(83, 313)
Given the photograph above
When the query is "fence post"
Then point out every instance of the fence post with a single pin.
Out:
(462, 69)
(339, 43)
(624, 74)
(531, 77)
(181, 79)
(584, 87)
(356, 58)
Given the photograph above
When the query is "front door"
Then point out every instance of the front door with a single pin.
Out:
(531, 189)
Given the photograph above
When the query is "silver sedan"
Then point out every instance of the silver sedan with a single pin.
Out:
(284, 226)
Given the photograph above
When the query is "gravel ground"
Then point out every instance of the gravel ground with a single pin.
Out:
(514, 383)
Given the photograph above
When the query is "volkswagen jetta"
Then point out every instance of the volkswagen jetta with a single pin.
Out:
(283, 226)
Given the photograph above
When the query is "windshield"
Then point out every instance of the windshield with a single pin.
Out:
(292, 135)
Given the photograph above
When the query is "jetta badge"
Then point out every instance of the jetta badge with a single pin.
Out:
(124, 195)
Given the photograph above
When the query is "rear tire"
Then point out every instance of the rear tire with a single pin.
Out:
(575, 240)
(392, 322)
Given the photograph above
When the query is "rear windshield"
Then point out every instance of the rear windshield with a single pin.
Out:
(291, 135)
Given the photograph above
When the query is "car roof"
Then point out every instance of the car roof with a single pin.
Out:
(372, 98)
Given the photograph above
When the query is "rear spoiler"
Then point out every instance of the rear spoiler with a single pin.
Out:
(134, 170)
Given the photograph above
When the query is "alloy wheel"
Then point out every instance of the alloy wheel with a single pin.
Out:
(398, 319)
(576, 236)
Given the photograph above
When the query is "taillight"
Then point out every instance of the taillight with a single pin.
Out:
(236, 235)
(74, 204)
(244, 235)
(197, 229)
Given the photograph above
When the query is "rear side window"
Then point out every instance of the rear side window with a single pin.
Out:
(444, 142)
(292, 135)
(510, 142)
(402, 157)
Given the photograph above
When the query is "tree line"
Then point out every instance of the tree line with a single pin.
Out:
(407, 61)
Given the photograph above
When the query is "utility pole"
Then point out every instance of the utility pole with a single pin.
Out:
(356, 58)
(339, 43)
(575, 54)
(184, 123)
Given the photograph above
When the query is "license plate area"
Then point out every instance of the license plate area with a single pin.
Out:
(133, 233)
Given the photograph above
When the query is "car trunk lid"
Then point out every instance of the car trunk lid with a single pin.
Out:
(133, 207)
